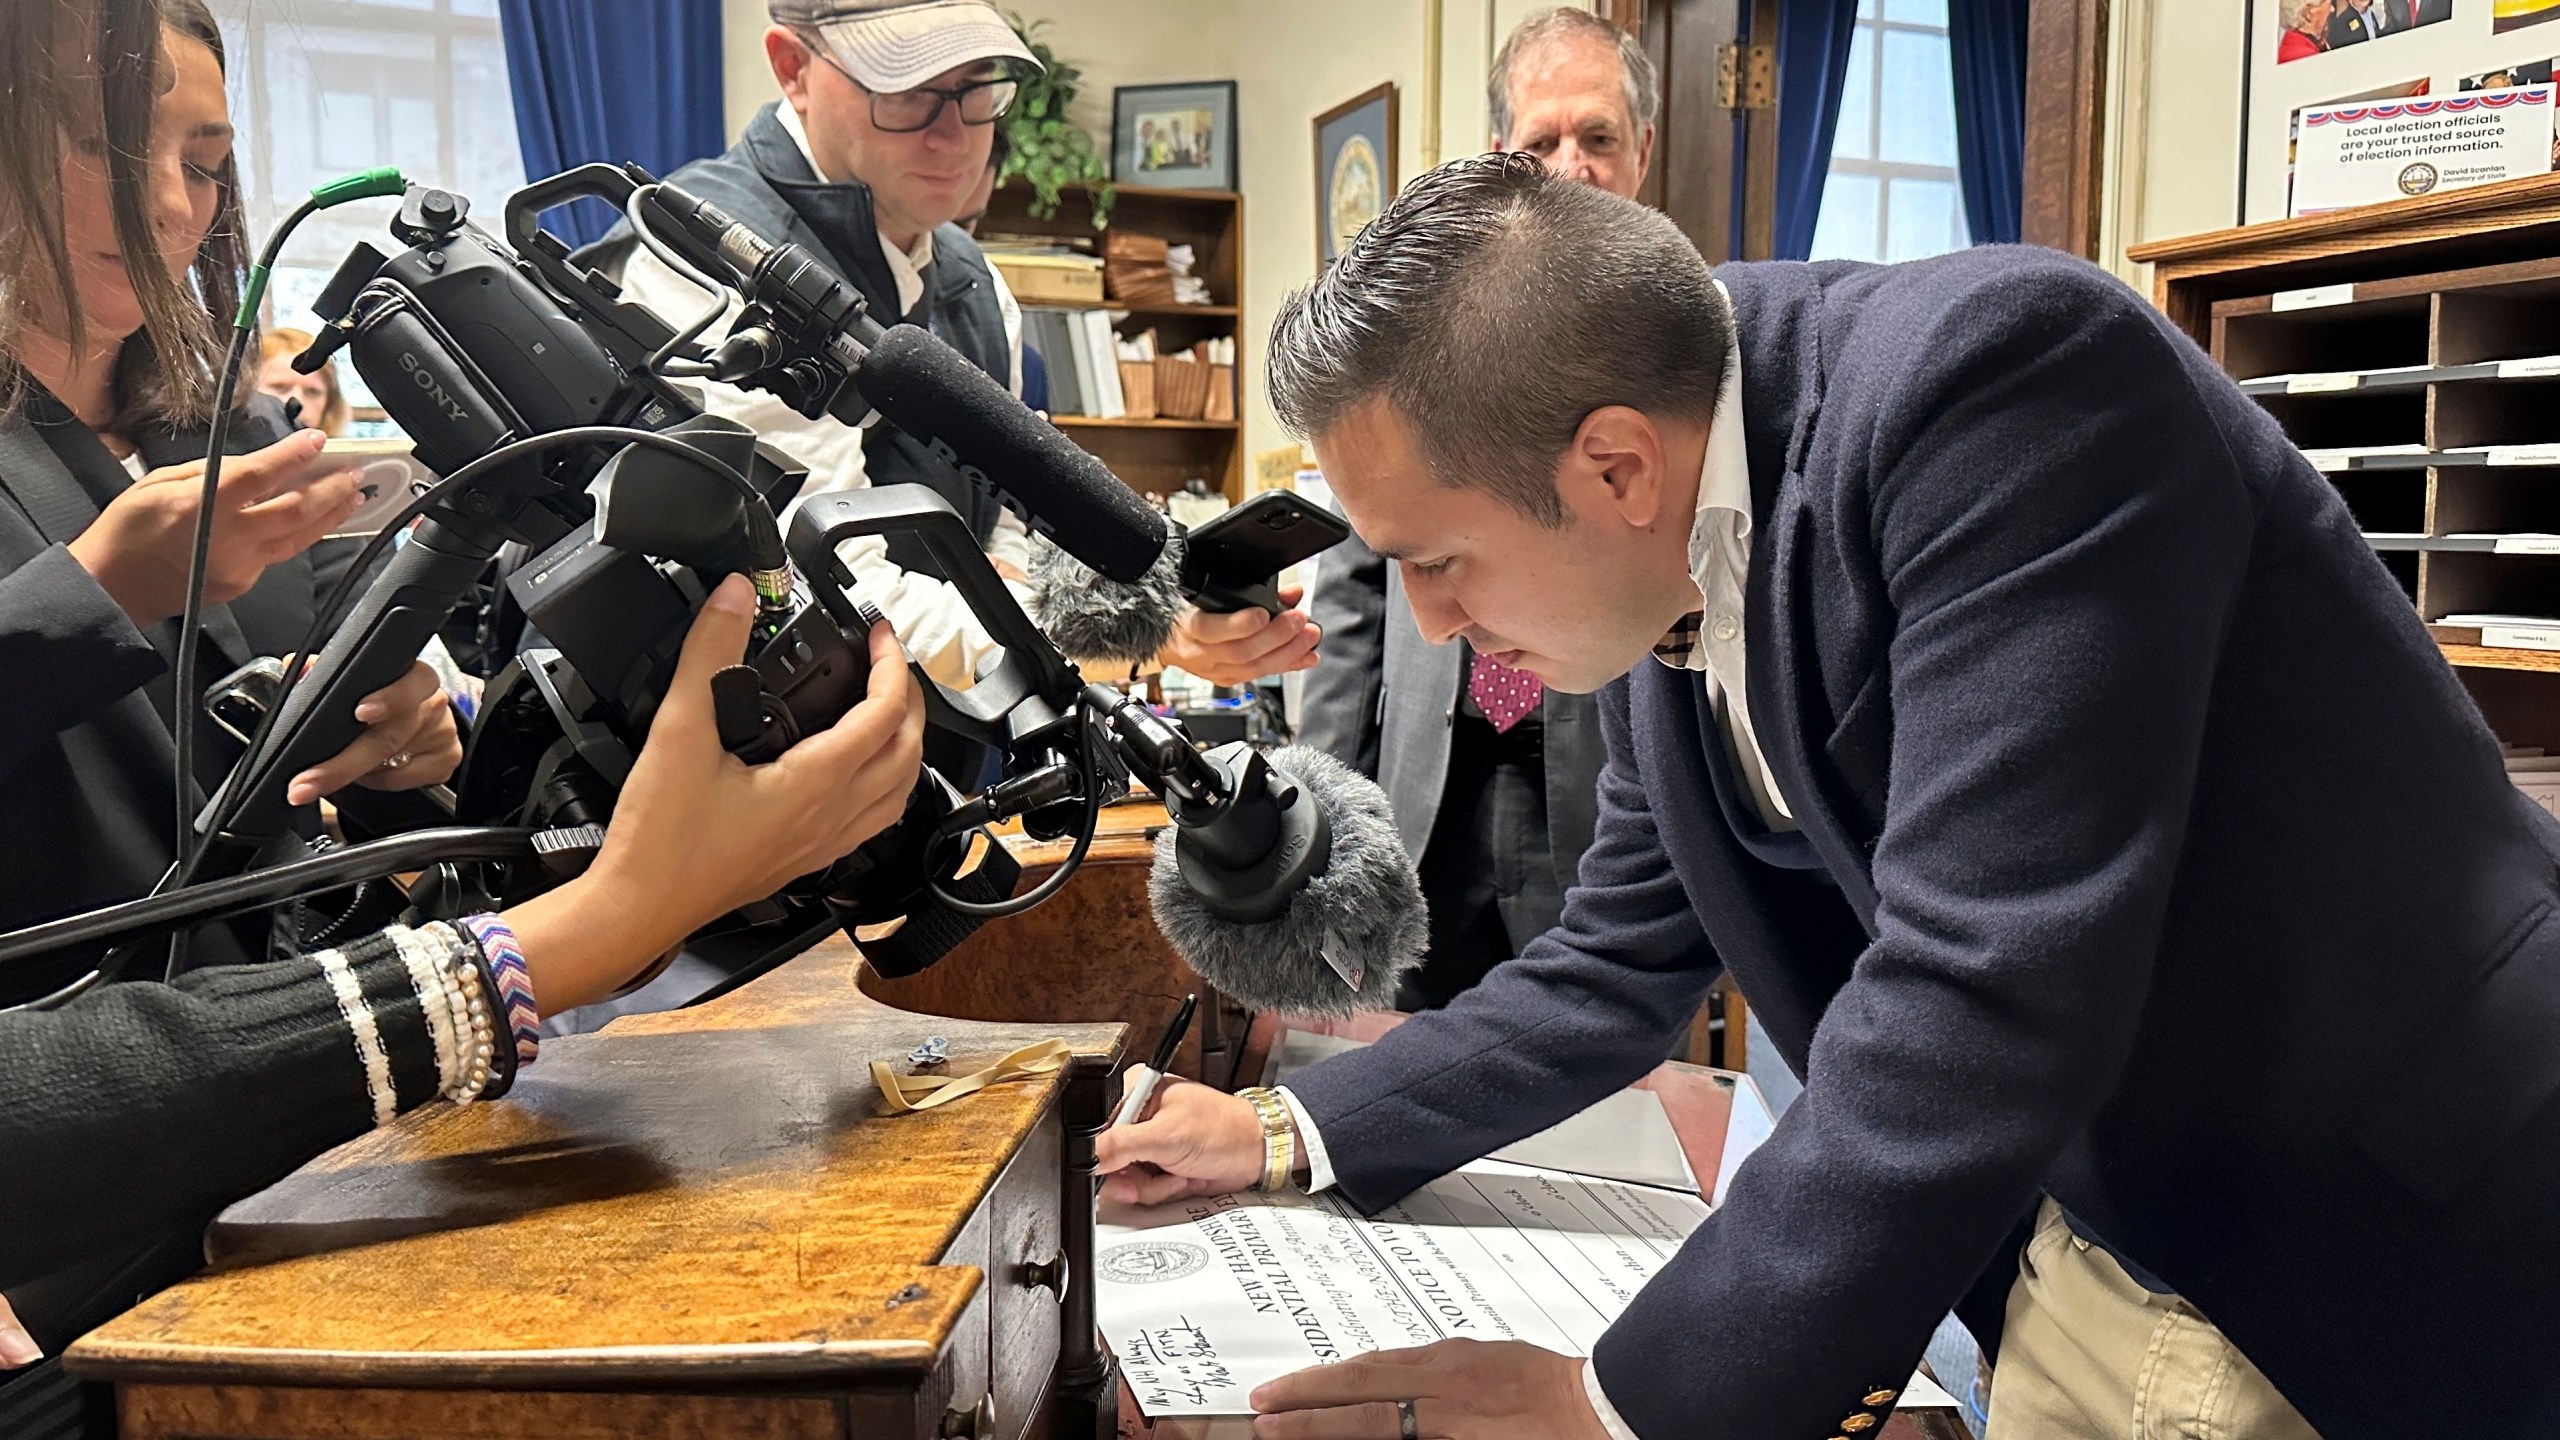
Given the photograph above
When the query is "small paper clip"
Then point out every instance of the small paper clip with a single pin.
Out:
(934, 1051)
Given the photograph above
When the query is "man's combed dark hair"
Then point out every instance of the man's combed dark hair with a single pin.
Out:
(1495, 306)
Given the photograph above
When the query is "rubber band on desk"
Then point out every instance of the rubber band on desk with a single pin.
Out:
(907, 1094)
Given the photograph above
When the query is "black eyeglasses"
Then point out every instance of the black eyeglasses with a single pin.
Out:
(903, 112)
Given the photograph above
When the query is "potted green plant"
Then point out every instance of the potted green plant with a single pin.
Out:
(1043, 146)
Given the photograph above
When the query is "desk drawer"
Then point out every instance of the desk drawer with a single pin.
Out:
(1014, 1239)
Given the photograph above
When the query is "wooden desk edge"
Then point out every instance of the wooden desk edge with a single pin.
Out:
(600, 1368)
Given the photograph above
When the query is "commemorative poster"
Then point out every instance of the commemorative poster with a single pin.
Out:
(2356, 102)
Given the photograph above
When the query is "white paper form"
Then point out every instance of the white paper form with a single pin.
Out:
(1208, 1298)
(1205, 1299)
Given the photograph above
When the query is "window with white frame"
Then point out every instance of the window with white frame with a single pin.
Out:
(320, 88)
(1891, 193)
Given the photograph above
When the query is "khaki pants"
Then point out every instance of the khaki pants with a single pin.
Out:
(2090, 1355)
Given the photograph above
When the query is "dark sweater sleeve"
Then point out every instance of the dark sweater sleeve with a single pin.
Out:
(141, 1106)
(58, 623)
(1586, 1010)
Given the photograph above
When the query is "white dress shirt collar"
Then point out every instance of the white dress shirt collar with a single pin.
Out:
(1710, 639)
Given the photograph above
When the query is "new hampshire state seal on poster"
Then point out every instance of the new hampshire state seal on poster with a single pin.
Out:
(1357, 192)
(1145, 1262)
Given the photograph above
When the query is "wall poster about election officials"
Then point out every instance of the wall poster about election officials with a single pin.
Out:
(2432, 75)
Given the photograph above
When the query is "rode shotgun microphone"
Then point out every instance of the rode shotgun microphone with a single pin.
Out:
(981, 429)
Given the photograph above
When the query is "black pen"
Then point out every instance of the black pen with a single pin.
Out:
(1144, 1086)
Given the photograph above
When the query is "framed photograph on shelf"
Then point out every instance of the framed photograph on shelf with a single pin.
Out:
(1355, 167)
(1182, 137)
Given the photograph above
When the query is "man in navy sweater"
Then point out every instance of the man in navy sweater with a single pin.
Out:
(2025, 723)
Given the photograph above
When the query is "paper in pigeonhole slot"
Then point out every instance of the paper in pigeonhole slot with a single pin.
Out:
(2312, 297)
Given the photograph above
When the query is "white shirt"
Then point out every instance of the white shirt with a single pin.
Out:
(1720, 565)
(1710, 640)
(930, 617)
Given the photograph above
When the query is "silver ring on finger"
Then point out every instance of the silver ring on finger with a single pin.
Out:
(395, 762)
(1408, 1424)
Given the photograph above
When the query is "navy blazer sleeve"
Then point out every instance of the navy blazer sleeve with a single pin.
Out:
(1338, 712)
(2061, 533)
(1584, 1011)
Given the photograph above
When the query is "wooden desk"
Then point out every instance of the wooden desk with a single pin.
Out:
(1092, 952)
(689, 1224)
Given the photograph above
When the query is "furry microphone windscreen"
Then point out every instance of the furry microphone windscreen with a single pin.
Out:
(1365, 908)
(1092, 618)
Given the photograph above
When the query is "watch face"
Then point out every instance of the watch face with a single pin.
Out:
(1354, 193)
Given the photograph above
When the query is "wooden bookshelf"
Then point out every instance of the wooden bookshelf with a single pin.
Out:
(1158, 455)
(2413, 350)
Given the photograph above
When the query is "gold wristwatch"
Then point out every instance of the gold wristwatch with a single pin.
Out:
(1279, 1137)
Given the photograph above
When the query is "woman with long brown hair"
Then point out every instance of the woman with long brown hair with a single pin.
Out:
(131, 1113)
(120, 259)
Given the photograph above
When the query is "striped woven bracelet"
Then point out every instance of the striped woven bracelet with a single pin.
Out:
(515, 983)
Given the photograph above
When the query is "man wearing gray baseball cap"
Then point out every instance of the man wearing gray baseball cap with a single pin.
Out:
(887, 115)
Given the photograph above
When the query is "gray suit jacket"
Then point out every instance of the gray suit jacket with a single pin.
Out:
(1383, 701)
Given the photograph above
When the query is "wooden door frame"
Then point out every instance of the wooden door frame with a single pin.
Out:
(2062, 184)
(1695, 159)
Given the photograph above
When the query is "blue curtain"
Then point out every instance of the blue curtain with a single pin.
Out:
(612, 80)
(1988, 40)
(1813, 65)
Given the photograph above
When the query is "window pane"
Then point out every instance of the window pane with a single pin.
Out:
(1855, 139)
(1923, 218)
(1918, 100)
(289, 297)
(1846, 229)
(1917, 12)
(487, 161)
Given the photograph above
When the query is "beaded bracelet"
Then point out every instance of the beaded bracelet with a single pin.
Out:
(503, 1060)
(514, 982)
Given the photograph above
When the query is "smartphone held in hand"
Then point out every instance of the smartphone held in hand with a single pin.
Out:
(388, 477)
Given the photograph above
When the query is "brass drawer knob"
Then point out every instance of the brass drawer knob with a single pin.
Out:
(1051, 1275)
(977, 1424)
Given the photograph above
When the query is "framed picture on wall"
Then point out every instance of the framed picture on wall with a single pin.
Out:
(2402, 93)
(1355, 167)
(1179, 136)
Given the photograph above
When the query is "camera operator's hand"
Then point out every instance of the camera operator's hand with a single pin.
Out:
(411, 742)
(697, 832)
(17, 1347)
(271, 505)
(1245, 645)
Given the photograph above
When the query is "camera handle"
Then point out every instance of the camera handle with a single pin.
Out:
(1027, 696)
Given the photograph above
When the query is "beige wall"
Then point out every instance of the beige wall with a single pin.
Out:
(1290, 59)
(2174, 113)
